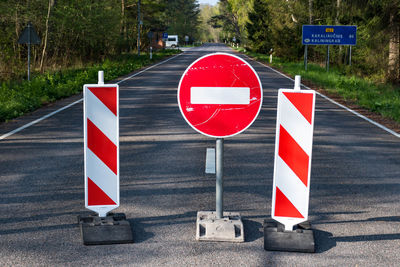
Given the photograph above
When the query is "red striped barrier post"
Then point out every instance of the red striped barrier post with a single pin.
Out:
(101, 156)
(101, 128)
(292, 167)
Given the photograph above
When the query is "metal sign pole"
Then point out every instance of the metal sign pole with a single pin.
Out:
(305, 57)
(138, 28)
(219, 158)
(350, 56)
(29, 61)
(327, 59)
(29, 51)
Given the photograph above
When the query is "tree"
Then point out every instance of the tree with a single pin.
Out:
(182, 18)
(227, 19)
(206, 32)
(258, 27)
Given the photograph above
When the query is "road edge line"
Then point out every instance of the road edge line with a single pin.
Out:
(336, 103)
(4, 136)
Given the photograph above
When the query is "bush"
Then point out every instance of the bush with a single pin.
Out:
(19, 97)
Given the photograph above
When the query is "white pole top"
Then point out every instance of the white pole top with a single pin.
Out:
(297, 79)
(101, 77)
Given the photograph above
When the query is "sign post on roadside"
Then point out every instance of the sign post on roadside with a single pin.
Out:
(29, 36)
(101, 162)
(292, 168)
(150, 36)
(328, 35)
(219, 95)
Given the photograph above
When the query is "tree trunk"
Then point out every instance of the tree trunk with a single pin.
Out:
(51, 3)
(17, 32)
(123, 27)
(310, 12)
(393, 64)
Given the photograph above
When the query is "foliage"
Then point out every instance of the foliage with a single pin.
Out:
(277, 24)
(207, 33)
(17, 98)
(232, 18)
(78, 31)
(380, 98)
(258, 27)
(182, 18)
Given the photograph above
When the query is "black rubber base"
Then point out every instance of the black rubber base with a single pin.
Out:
(301, 239)
(112, 229)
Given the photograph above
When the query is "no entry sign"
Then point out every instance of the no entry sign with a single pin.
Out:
(220, 95)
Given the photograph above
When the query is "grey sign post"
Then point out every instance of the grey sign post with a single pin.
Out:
(29, 36)
(305, 56)
(227, 85)
(327, 58)
(150, 36)
(219, 173)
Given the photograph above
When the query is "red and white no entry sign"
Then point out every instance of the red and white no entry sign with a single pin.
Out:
(220, 95)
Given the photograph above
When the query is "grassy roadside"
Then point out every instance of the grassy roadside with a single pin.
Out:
(383, 99)
(17, 98)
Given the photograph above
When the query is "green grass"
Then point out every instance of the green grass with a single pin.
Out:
(380, 98)
(19, 97)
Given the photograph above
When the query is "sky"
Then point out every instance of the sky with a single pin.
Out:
(211, 2)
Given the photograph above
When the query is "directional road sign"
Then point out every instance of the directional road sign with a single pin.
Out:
(329, 35)
(220, 95)
(165, 35)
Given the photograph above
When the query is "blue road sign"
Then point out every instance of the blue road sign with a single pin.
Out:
(329, 35)
(165, 35)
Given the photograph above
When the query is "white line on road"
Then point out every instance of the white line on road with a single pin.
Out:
(210, 160)
(4, 136)
(338, 104)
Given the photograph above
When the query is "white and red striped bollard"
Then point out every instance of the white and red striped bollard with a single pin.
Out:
(101, 137)
(293, 147)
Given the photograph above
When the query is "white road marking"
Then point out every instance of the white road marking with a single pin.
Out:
(336, 103)
(4, 136)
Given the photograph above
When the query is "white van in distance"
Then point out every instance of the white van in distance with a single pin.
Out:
(172, 41)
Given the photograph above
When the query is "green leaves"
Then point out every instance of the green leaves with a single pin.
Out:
(17, 98)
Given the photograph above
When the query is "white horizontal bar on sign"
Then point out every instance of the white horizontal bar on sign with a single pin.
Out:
(220, 95)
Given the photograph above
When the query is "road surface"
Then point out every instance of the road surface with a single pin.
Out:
(354, 200)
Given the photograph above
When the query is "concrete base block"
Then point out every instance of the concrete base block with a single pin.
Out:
(228, 229)
(301, 239)
(112, 229)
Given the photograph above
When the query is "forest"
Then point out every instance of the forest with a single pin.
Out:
(275, 26)
(75, 33)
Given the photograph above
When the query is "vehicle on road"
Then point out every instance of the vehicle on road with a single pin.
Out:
(172, 41)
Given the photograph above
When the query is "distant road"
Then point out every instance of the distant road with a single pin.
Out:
(355, 183)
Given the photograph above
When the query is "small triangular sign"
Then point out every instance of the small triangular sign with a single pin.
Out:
(29, 35)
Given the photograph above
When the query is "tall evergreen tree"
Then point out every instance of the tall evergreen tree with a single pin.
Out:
(182, 18)
(259, 34)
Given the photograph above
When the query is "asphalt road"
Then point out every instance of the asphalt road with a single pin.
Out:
(354, 200)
